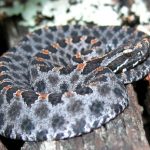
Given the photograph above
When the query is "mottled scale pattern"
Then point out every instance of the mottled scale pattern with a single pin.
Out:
(61, 82)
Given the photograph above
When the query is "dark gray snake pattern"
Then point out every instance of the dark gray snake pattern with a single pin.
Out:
(61, 82)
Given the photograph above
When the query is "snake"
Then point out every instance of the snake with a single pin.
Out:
(64, 81)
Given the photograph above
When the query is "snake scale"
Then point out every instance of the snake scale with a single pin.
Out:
(61, 82)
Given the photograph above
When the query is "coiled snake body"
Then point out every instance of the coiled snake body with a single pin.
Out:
(61, 82)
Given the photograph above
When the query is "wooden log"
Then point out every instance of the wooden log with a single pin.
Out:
(2, 147)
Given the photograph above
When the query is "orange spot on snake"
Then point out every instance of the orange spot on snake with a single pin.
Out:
(69, 94)
(44, 51)
(18, 93)
(82, 38)
(43, 96)
(80, 66)
(56, 45)
(68, 41)
(7, 87)
(94, 41)
(39, 59)
(78, 55)
(99, 68)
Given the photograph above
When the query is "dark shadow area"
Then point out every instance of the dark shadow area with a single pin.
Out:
(143, 92)
(11, 144)
(141, 88)
(4, 43)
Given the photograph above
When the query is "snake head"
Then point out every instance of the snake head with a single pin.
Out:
(127, 56)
